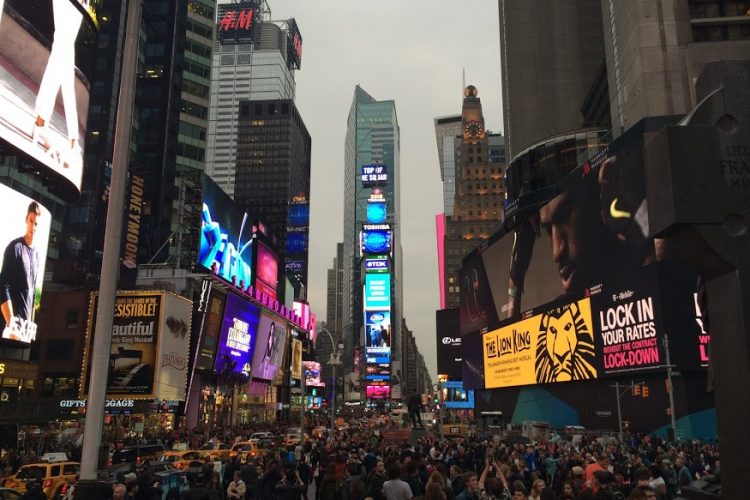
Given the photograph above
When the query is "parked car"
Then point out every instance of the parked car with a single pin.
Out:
(137, 453)
(53, 476)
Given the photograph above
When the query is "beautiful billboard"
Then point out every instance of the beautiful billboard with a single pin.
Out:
(455, 396)
(223, 228)
(378, 392)
(374, 175)
(269, 351)
(583, 234)
(238, 335)
(46, 69)
(293, 45)
(149, 350)
(24, 236)
(376, 211)
(377, 241)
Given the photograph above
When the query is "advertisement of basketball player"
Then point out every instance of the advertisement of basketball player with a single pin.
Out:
(583, 234)
(24, 236)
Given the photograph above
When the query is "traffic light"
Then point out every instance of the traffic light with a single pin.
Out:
(436, 399)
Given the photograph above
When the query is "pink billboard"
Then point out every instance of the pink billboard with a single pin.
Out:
(267, 270)
(378, 391)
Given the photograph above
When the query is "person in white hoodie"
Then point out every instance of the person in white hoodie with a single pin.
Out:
(236, 489)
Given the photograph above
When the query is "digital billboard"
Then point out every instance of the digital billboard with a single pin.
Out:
(223, 228)
(448, 343)
(172, 365)
(237, 339)
(576, 246)
(312, 374)
(47, 53)
(211, 330)
(377, 212)
(267, 270)
(376, 241)
(24, 236)
(378, 392)
(374, 175)
(378, 292)
(455, 396)
(236, 22)
(297, 237)
(380, 371)
(378, 329)
(293, 45)
(296, 359)
(270, 346)
(377, 264)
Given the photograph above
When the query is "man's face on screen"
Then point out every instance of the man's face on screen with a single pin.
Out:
(574, 227)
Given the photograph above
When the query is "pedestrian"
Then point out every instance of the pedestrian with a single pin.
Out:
(395, 488)
(236, 489)
(215, 487)
(330, 487)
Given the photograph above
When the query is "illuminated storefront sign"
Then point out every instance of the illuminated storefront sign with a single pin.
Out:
(236, 22)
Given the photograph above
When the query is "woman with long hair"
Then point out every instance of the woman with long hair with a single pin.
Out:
(215, 488)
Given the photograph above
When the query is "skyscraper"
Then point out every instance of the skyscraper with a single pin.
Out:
(373, 141)
(250, 66)
(272, 180)
(471, 166)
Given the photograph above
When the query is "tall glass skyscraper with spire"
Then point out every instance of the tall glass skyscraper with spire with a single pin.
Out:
(372, 312)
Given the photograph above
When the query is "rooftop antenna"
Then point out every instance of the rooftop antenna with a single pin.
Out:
(463, 80)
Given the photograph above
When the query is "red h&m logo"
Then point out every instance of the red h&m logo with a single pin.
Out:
(236, 20)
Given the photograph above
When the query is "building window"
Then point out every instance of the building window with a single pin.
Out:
(71, 319)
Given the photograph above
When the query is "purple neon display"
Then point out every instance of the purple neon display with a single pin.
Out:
(238, 334)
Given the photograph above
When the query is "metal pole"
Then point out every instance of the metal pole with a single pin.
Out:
(111, 259)
(302, 408)
(670, 390)
(333, 394)
(619, 411)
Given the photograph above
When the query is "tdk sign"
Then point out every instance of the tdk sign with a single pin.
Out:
(376, 265)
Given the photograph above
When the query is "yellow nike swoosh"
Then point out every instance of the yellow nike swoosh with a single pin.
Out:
(618, 214)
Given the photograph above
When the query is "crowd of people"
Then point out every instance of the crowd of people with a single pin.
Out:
(367, 464)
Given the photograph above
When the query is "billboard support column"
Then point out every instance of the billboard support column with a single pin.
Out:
(111, 260)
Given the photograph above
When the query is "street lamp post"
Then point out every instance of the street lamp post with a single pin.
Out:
(626, 388)
(334, 361)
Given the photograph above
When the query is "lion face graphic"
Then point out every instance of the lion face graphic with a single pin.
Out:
(565, 348)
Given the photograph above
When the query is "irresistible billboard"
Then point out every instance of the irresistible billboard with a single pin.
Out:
(237, 337)
(448, 343)
(47, 53)
(24, 236)
(211, 332)
(223, 227)
(236, 22)
(149, 350)
(374, 175)
(270, 346)
(378, 292)
(573, 248)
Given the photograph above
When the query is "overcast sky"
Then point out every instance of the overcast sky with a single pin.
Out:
(411, 51)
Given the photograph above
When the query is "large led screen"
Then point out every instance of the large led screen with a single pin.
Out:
(378, 392)
(238, 336)
(24, 235)
(577, 255)
(376, 241)
(269, 351)
(226, 237)
(376, 211)
(455, 396)
(211, 330)
(378, 292)
(448, 342)
(378, 329)
(46, 67)
(312, 374)
(374, 175)
(267, 270)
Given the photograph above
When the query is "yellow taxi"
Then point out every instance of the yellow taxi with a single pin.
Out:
(183, 459)
(216, 451)
(53, 476)
(246, 451)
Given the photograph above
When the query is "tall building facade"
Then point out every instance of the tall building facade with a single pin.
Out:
(272, 180)
(372, 140)
(472, 165)
(335, 294)
(255, 68)
(550, 60)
